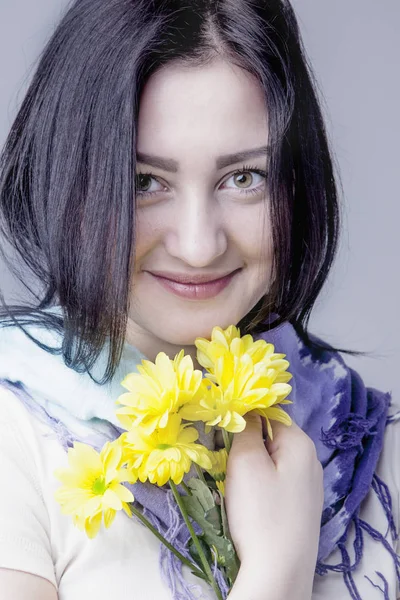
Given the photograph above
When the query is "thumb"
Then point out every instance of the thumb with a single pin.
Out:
(284, 437)
(248, 453)
(251, 438)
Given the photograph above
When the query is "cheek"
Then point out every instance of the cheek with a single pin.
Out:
(149, 232)
(250, 231)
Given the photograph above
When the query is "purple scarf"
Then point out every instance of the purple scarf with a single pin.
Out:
(345, 420)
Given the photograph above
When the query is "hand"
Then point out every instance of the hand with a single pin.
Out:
(274, 499)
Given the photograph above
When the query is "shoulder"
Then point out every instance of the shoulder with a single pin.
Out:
(26, 438)
(21, 431)
(17, 428)
(24, 519)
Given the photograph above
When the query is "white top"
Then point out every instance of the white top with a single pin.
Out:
(123, 560)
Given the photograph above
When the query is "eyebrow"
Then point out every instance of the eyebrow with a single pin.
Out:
(171, 165)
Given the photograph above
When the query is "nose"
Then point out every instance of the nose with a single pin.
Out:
(198, 233)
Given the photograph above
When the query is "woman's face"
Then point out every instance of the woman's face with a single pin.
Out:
(195, 217)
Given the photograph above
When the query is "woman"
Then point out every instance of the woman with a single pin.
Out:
(168, 171)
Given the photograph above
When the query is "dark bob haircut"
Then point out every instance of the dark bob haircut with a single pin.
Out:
(67, 171)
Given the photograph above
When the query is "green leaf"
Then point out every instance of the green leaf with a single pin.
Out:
(200, 576)
(194, 553)
(202, 508)
(213, 516)
(224, 518)
(234, 565)
(202, 493)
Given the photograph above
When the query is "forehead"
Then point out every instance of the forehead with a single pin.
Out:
(208, 110)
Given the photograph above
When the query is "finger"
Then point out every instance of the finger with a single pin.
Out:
(251, 436)
(283, 437)
(248, 454)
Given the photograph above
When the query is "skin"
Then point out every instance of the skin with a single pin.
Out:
(200, 219)
(274, 498)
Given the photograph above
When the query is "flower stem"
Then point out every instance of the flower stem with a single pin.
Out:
(162, 539)
(227, 440)
(203, 558)
(200, 473)
(233, 569)
(186, 488)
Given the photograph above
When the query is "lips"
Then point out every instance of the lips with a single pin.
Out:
(191, 289)
(191, 279)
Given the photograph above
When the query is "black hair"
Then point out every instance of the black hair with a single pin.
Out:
(67, 171)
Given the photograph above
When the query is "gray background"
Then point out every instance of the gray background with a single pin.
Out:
(355, 49)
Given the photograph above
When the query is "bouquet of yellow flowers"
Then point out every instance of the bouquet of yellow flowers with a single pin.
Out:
(159, 444)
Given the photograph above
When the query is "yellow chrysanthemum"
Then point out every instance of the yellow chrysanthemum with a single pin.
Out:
(219, 460)
(166, 453)
(158, 390)
(92, 486)
(237, 387)
(221, 339)
(229, 342)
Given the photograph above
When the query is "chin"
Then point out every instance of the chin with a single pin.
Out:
(187, 330)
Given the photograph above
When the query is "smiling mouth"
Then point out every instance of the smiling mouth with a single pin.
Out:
(191, 279)
(198, 290)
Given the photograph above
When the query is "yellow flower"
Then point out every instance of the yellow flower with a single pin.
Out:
(219, 460)
(92, 486)
(166, 453)
(237, 387)
(158, 390)
(208, 351)
(229, 342)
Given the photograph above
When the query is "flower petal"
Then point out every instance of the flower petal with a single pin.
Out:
(109, 516)
(122, 492)
(92, 525)
(111, 500)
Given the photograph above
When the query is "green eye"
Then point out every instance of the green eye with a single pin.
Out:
(144, 181)
(143, 184)
(246, 171)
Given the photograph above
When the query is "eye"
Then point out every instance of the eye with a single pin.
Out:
(243, 180)
(147, 184)
(143, 185)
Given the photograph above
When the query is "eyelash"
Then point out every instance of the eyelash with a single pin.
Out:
(245, 169)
